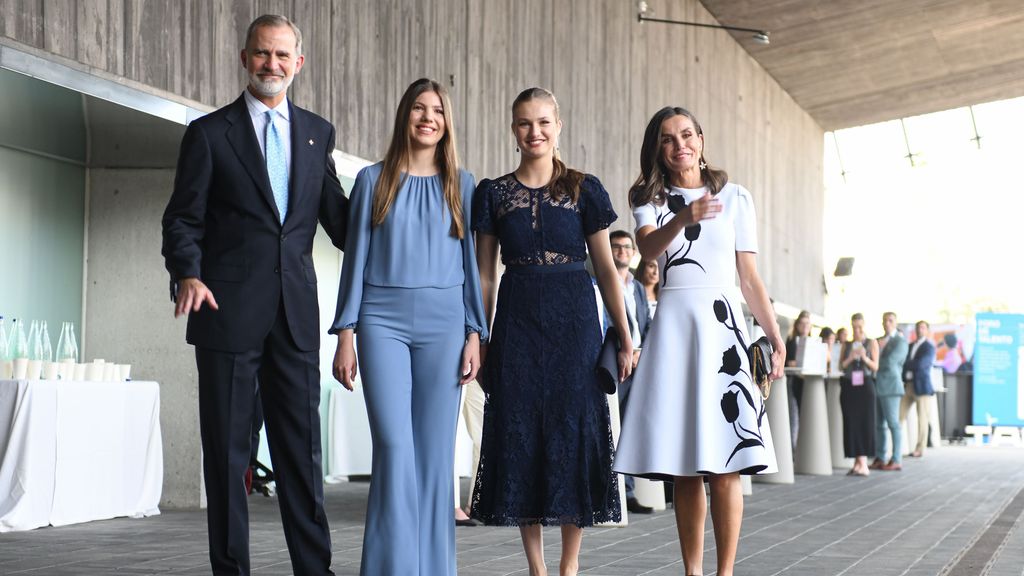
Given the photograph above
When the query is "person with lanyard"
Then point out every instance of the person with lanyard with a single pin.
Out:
(857, 396)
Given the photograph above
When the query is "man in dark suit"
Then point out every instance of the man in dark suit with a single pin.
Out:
(918, 389)
(638, 315)
(252, 180)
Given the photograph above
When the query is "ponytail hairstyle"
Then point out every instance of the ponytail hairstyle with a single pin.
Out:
(564, 180)
(397, 158)
(650, 185)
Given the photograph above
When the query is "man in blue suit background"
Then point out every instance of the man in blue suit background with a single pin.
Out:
(917, 373)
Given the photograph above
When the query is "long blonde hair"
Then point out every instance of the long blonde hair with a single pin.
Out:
(397, 158)
(564, 180)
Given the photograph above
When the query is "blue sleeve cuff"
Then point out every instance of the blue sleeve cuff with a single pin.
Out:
(476, 330)
(336, 329)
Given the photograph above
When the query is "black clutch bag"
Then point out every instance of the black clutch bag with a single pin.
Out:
(607, 369)
(760, 353)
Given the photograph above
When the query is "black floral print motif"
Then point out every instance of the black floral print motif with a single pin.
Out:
(730, 407)
(690, 234)
(732, 365)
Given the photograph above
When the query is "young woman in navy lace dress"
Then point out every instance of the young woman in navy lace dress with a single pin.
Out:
(546, 452)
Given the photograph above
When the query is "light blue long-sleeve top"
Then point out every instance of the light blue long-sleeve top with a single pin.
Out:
(411, 249)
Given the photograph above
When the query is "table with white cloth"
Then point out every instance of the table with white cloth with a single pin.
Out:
(78, 451)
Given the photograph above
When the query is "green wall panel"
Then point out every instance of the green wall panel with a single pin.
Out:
(41, 239)
(41, 117)
(42, 202)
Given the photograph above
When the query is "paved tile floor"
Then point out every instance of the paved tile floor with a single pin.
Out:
(917, 522)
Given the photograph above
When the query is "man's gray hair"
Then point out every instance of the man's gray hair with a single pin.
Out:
(275, 20)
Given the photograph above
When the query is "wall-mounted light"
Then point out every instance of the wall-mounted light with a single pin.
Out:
(759, 36)
(844, 267)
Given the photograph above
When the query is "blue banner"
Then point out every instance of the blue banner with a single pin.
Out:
(999, 370)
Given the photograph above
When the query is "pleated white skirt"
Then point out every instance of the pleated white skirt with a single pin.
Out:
(692, 408)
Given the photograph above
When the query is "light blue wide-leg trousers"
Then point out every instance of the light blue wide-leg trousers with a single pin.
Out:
(410, 344)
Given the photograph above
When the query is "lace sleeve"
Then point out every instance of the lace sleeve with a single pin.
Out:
(595, 206)
(482, 208)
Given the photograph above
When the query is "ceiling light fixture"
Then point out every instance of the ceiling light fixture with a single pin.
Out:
(759, 36)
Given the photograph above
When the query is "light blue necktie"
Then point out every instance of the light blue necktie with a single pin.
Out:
(277, 169)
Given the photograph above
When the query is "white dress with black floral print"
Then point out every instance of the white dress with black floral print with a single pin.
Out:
(693, 409)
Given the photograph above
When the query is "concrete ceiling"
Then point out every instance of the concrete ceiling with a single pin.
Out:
(855, 62)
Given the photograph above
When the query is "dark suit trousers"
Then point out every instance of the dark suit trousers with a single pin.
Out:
(289, 381)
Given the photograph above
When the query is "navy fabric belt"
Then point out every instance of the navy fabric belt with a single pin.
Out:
(544, 268)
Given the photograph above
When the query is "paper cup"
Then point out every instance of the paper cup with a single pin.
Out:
(110, 372)
(93, 372)
(6, 370)
(125, 372)
(35, 369)
(78, 374)
(20, 368)
(66, 370)
(50, 370)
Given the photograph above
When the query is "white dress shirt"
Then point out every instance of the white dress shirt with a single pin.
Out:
(909, 374)
(282, 120)
(630, 295)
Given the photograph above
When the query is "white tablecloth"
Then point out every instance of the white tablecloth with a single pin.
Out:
(78, 451)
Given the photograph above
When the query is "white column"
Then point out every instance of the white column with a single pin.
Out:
(813, 453)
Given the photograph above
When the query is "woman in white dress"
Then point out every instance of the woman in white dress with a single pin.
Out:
(703, 418)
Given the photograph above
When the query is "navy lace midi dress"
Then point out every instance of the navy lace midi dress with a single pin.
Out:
(546, 451)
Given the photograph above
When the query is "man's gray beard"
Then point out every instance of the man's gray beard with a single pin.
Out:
(269, 89)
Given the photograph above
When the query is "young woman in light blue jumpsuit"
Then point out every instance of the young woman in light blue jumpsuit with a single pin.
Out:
(410, 288)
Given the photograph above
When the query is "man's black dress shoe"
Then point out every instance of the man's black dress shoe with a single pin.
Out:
(635, 507)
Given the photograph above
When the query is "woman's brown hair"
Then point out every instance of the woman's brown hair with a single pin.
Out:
(397, 158)
(803, 315)
(564, 180)
(650, 185)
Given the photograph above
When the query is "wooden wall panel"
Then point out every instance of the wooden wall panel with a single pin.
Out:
(609, 72)
(230, 20)
(313, 91)
(60, 27)
(99, 40)
(23, 21)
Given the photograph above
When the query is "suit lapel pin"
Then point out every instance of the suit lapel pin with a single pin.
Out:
(310, 141)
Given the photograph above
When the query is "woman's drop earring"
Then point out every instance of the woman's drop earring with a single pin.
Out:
(703, 164)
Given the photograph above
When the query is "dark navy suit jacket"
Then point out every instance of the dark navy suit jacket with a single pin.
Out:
(919, 367)
(222, 226)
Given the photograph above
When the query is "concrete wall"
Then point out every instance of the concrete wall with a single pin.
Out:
(609, 72)
(129, 315)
